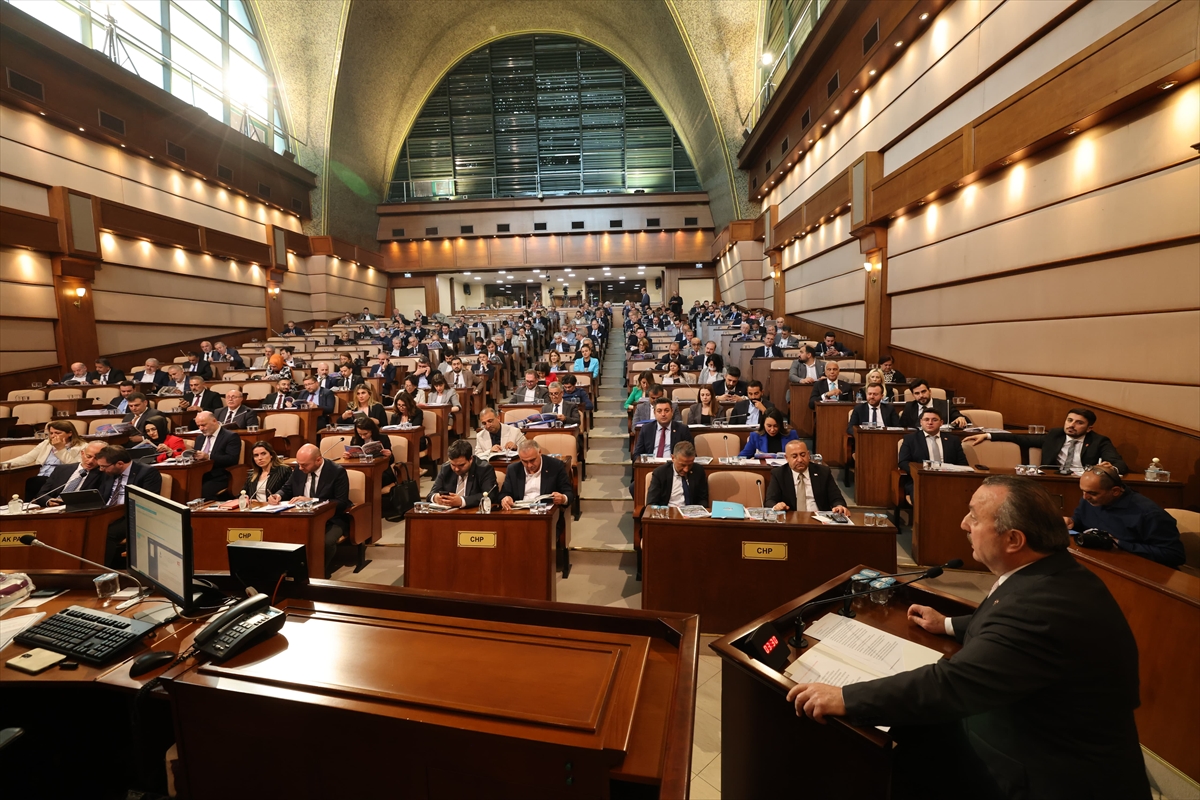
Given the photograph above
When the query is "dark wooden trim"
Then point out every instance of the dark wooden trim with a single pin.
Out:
(132, 360)
(828, 202)
(11, 381)
(30, 231)
(853, 340)
(226, 245)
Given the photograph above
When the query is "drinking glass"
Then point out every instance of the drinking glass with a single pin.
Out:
(107, 585)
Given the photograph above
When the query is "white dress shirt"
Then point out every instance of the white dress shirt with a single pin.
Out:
(508, 433)
(810, 504)
(533, 484)
(1069, 456)
(677, 499)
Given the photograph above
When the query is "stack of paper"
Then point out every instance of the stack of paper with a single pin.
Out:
(850, 651)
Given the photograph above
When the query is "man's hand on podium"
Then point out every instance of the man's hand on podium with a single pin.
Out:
(927, 618)
(817, 701)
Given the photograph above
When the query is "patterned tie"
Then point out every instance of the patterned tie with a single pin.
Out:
(1072, 448)
(73, 484)
(118, 492)
(229, 416)
(935, 450)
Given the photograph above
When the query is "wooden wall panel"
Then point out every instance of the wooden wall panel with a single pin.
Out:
(24, 196)
(507, 252)
(692, 246)
(655, 247)
(806, 326)
(471, 253)
(437, 254)
(617, 247)
(138, 224)
(34, 231)
(543, 250)
(581, 249)
(931, 171)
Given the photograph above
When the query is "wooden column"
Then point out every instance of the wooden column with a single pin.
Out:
(273, 298)
(877, 309)
(75, 329)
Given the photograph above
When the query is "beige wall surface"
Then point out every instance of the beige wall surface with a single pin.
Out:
(27, 311)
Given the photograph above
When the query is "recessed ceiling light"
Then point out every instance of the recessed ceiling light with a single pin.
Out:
(478, 278)
(856, 91)
(872, 72)
(1071, 131)
(924, 16)
(81, 129)
(899, 43)
(837, 111)
(1167, 85)
(823, 126)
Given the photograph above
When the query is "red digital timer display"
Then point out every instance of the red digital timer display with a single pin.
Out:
(770, 644)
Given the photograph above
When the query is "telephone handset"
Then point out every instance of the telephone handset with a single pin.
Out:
(245, 625)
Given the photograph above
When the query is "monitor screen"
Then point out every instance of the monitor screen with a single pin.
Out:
(160, 544)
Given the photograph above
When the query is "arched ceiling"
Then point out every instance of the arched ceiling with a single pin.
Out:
(355, 74)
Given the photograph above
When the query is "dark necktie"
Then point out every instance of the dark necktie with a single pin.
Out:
(229, 416)
(687, 490)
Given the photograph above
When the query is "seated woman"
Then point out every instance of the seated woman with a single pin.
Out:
(405, 411)
(365, 431)
(705, 408)
(277, 369)
(875, 376)
(167, 444)
(674, 374)
(268, 474)
(442, 394)
(364, 403)
(62, 445)
(554, 362)
(585, 363)
(770, 436)
(644, 380)
(410, 387)
(645, 349)
(714, 370)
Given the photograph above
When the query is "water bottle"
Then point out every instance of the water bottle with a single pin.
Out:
(485, 505)
(1152, 471)
(15, 506)
(243, 501)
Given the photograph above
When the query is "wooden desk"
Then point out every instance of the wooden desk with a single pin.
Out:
(440, 441)
(800, 416)
(643, 470)
(1162, 606)
(71, 406)
(830, 431)
(728, 571)
(505, 553)
(12, 481)
(760, 730)
(875, 451)
(941, 499)
(186, 480)
(373, 469)
(79, 532)
(213, 529)
(308, 419)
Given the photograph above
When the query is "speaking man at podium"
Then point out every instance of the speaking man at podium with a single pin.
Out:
(1039, 702)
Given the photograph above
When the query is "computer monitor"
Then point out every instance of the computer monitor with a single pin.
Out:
(160, 545)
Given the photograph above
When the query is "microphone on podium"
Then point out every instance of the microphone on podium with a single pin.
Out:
(30, 540)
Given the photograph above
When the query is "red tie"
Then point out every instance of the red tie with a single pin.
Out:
(662, 442)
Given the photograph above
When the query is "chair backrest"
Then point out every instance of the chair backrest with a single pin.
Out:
(502, 473)
(181, 359)
(430, 421)
(165, 489)
(334, 446)
(1035, 455)
(257, 390)
(781, 363)
(10, 451)
(514, 414)
(561, 443)
(583, 379)
(399, 449)
(850, 377)
(997, 455)
(5, 412)
(936, 394)
(27, 394)
(285, 425)
(103, 393)
(685, 395)
(94, 423)
(80, 425)
(358, 486)
(1189, 534)
(852, 363)
(64, 394)
(717, 445)
(736, 487)
(33, 413)
(984, 418)
(222, 388)
(236, 376)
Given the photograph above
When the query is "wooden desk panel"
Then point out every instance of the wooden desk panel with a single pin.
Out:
(830, 431)
(1162, 606)
(875, 451)
(211, 532)
(643, 470)
(520, 564)
(12, 481)
(186, 480)
(941, 498)
(80, 532)
(699, 565)
(373, 469)
(800, 416)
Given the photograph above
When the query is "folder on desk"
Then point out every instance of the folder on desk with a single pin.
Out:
(726, 510)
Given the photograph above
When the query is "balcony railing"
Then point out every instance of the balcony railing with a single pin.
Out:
(805, 24)
(555, 184)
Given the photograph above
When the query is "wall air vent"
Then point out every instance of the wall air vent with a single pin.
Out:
(114, 124)
(431, 232)
(466, 228)
(653, 222)
(224, 172)
(264, 191)
(177, 152)
(397, 232)
(26, 85)
(503, 227)
(871, 37)
(691, 221)
(297, 204)
(783, 147)
(807, 118)
(616, 223)
(576, 226)
(834, 82)
(539, 226)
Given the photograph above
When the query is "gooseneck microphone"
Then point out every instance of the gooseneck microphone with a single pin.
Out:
(798, 641)
(31, 540)
(761, 502)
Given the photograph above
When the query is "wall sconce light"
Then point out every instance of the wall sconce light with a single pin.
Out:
(774, 275)
(80, 293)
(273, 291)
(873, 270)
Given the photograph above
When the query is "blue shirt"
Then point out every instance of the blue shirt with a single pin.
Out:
(578, 396)
(1138, 525)
(593, 366)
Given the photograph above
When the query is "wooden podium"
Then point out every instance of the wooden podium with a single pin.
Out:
(767, 751)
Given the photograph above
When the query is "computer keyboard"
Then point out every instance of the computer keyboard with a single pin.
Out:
(86, 635)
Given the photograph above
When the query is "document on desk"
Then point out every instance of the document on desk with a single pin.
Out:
(875, 650)
(9, 628)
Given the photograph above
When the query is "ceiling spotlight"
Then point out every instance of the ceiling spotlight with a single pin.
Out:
(924, 16)
(872, 72)
(767, 59)
(1071, 131)
(823, 126)
(899, 43)
(856, 91)
(1167, 85)
(837, 111)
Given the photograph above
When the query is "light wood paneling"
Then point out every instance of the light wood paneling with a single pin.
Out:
(543, 250)
(25, 300)
(1178, 405)
(120, 337)
(581, 249)
(471, 253)
(618, 248)
(507, 252)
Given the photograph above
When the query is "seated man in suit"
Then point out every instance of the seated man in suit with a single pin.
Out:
(495, 436)
(366, 315)
(78, 375)
(681, 482)
(1136, 524)
(802, 485)
(643, 411)
(139, 414)
(264, 361)
(105, 374)
(744, 334)
(200, 397)
(291, 359)
(805, 370)
(348, 378)
(535, 475)
(729, 387)
(282, 397)
(317, 478)
(768, 349)
(830, 389)
(829, 347)
(152, 374)
(463, 480)
(530, 391)
(229, 355)
(207, 353)
(197, 367)
(220, 447)
(786, 340)
(1072, 448)
(659, 438)
(119, 471)
(236, 413)
(928, 444)
(751, 410)
(910, 417)
(290, 329)
(873, 413)
(178, 384)
(314, 394)
(120, 403)
(709, 354)
(1026, 708)
(672, 355)
(415, 347)
(461, 380)
(74, 477)
(565, 412)
(326, 379)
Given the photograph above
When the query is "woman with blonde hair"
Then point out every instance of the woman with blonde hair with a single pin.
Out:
(364, 402)
(874, 378)
(62, 445)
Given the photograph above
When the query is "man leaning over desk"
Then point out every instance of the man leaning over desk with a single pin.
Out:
(681, 482)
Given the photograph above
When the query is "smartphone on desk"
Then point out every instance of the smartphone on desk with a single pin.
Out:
(251, 621)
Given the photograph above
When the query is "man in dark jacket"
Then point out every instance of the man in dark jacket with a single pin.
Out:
(464, 480)
(681, 482)
(1074, 446)
(318, 478)
(814, 481)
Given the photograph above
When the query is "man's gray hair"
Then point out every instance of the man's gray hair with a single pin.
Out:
(685, 449)
(530, 444)
(1028, 508)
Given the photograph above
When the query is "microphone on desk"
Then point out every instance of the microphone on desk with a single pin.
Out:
(30, 540)
(798, 641)
(725, 437)
(761, 502)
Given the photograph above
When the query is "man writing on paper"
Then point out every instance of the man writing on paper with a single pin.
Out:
(1039, 701)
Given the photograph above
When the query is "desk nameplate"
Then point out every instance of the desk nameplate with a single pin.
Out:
(244, 534)
(13, 538)
(476, 539)
(765, 551)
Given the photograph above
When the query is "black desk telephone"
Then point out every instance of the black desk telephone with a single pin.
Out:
(245, 625)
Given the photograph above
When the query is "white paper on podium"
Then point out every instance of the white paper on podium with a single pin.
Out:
(821, 664)
(878, 651)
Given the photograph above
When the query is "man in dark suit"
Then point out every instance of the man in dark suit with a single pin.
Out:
(317, 478)
(139, 414)
(220, 447)
(672, 354)
(348, 378)
(535, 475)
(659, 438)
(830, 388)
(224, 353)
(566, 412)
(751, 410)
(79, 375)
(415, 347)
(928, 444)
(530, 391)
(119, 471)
(317, 396)
(709, 354)
(1074, 446)
(730, 386)
(282, 397)
(120, 403)
(1039, 702)
(910, 417)
(873, 413)
(385, 369)
(820, 491)
(105, 374)
(74, 477)
(195, 366)
(152, 374)
(768, 349)
(682, 482)
(829, 347)
(200, 397)
(236, 413)
(464, 479)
